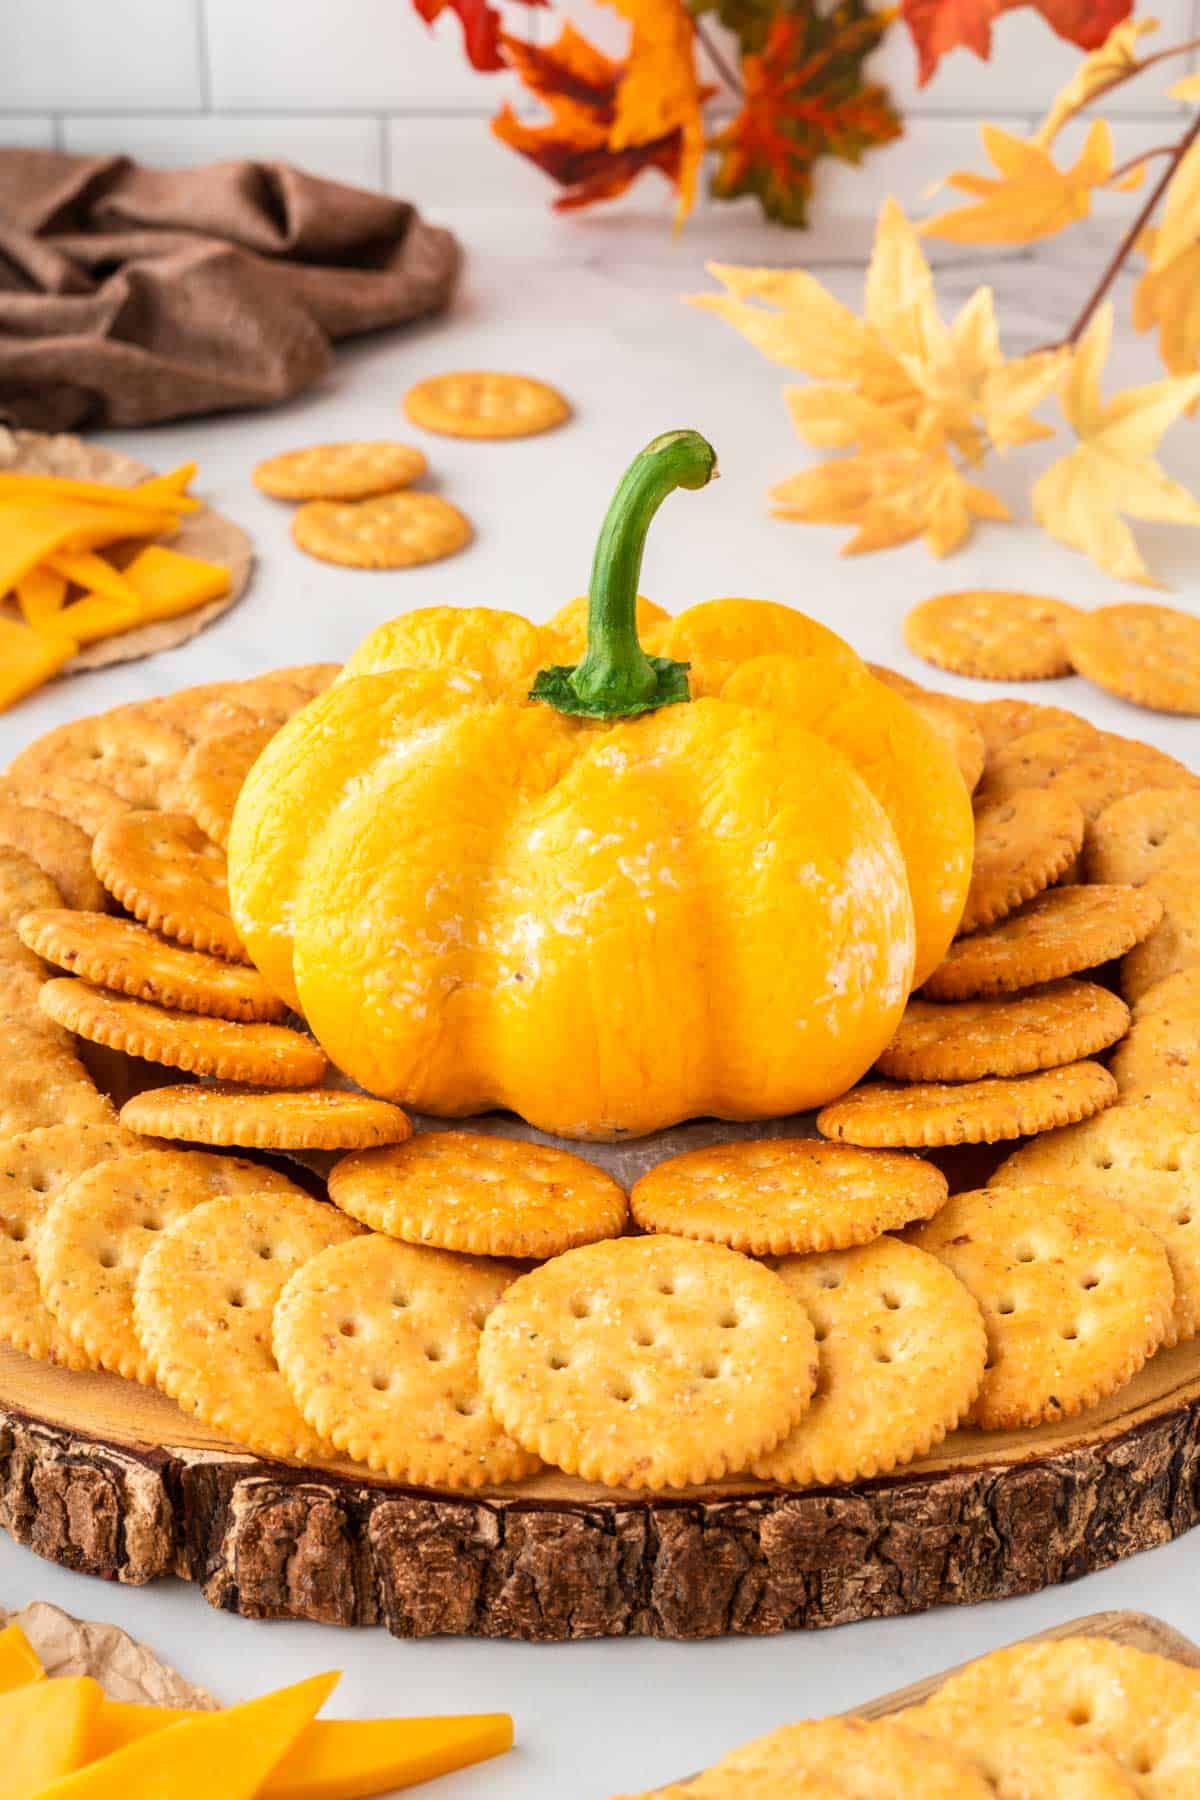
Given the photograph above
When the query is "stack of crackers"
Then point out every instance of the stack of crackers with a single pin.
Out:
(1077, 1718)
(462, 1308)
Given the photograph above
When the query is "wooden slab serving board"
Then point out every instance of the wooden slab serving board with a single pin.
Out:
(112, 1479)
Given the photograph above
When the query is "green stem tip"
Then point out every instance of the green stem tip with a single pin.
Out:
(616, 679)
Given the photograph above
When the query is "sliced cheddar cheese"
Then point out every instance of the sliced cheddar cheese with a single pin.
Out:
(167, 583)
(40, 593)
(27, 659)
(229, 1753)
(44, 1731)
(90, 572)
(94, 616)
(32, 531)
(339, 1759)
(18, 1660)
(168, 491)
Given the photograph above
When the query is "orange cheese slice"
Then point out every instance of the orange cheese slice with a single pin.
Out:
(167, 583)
(32, 531)
(90, 572)
(44, 1731)
(340, 1759)
(229, 1753)
(27, 659)
(18, 1660)
(167, 491)
(40, 593)
(94, 616)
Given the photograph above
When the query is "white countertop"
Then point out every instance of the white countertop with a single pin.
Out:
(592, 306)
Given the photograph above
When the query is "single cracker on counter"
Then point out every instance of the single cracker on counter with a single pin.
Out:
(1075, 1295)
(483, 403)
(163, 870)
(1014, 1034)
(1145, 1155)
(782, 1196)
(1142, 1710)
(61, 850)
(35, 1167)
(864, 1759)
(43, 1082)
(481, 1194)
(1060, 932)
(394, 531)
(222, 1114)
(1024, 843)
(349, 471)
(1144, 653)
(649, 1362)
(203, 1302)
(270, 1055)
(1093, 767)
(126, 752)
(378, 1342)
(213, 775)
(99, 1227)
(1163, 1045)
(932, 1114)
(991, 633)
(1141, 835)
(128, 958)
(1174, 945)
(901, 1353)
(1025, 1761)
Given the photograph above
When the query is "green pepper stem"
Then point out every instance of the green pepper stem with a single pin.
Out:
(616, 678)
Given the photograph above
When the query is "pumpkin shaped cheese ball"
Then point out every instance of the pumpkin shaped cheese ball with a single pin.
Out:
(648, 887)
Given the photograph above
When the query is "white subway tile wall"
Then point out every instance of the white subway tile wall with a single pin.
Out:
(363, 91)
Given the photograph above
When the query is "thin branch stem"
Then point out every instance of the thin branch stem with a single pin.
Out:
(1124, 248)
(718, 61)
(1135, 162)
(1131, 74)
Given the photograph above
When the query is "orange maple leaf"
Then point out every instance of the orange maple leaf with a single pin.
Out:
(611, 120)
(938, 26)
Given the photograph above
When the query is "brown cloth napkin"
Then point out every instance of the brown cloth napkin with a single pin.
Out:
(130, 295)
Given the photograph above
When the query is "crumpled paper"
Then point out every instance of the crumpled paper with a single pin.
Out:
(125, 1669)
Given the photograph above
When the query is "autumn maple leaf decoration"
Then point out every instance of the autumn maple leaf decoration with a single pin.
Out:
(938, 26)
(805, 97)
(481, 28)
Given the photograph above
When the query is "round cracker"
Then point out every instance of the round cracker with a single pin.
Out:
(1017, 1034)
(186, 708)
(1093, 767)
(202, 1307)
(991, 633)
(1003, 720)
(99, 1228)
(379, 1344)
(1060, 932)
(1175, 944)
(1163, 1045)
(648, 1362)
(162, 869)
(869, 1759)
(126, 751)
(1075, 1295)
(900, 1359)
(253, 1119)
(123, 956)
(485, 1195)
(347, 471)
(1024, 843)
(1025, 1761)
(83, 803)
(272, 1055)
(781, 1196)
(395, 531)
(213, 775)
(961, 736)
(483, 403)
(61, 850)
(37, 1166)
(1145, 653)
(928, 1114)
(1142, 1710)
(1142, 834)
(1145, 1155)
(43, 1082)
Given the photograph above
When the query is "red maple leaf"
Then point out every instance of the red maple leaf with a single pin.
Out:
(481, 28)
(938, 26)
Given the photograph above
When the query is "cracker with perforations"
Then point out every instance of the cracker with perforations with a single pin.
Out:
(649, 1362)
(484, 403)
(221, 1113)
(1075, 1295)
(1141, 835)
(1024, 842)
(992, 633)
(121, 955)
(214, 773)
(61, 850)
(163, 869)
(378, 1342)
(1023, 1760)
(1012, 1034)
(1174, 944)
(1163, 1045)
(862, 1759)
(348, 471)
(930, 1114)
(1060, 932)
(43, 1082)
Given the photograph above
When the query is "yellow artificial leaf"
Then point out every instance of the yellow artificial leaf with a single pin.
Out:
(1112, 470)
(1169, 298)
(892, 494)
(1187, 89)
(1179, 225)
(1032, 198)
(1116, 59)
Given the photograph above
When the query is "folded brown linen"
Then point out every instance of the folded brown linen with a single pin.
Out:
(130, 295)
